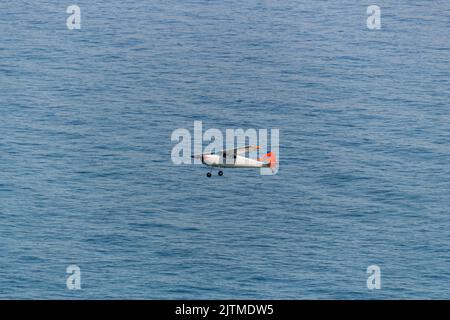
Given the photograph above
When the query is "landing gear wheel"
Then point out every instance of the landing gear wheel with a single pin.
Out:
(208, 174)
(220, 173)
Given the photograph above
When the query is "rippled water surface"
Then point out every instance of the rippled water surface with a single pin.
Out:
(86, 176)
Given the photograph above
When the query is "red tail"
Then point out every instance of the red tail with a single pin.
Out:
(272, 158)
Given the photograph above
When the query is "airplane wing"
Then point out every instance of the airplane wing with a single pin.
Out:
(241, 150)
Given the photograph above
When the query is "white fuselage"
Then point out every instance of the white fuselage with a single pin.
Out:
(215, 160)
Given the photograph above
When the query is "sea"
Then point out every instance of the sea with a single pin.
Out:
(87, 178)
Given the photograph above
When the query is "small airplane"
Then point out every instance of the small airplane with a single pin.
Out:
(232, 158)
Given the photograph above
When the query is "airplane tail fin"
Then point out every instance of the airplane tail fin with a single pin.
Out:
(272, 161)
(271, 157)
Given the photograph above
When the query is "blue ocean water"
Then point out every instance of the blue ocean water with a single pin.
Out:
(86, 176)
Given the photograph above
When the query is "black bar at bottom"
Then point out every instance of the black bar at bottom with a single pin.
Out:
(220, 309)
